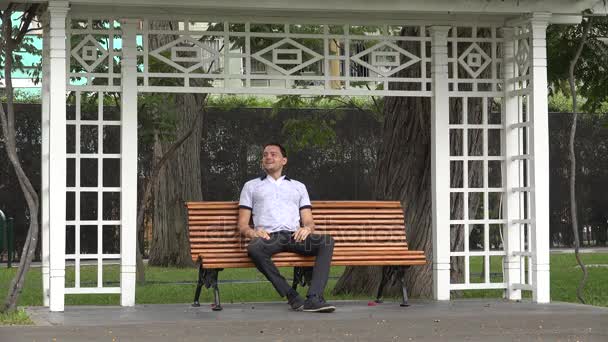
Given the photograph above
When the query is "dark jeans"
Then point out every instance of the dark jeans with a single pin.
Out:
(321, 246)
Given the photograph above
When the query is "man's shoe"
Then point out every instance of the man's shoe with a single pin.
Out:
(296, 302)
(316, 303)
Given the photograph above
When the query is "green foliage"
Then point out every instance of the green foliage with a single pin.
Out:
(232, 102)
(17, 317)
(25, 47)
(158, 117)
(592, 69)
(318, 130)
(560, 102)
(31, 95)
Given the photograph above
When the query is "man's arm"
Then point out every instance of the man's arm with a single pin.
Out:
(308, 225)
(245, 229)
(307, 220)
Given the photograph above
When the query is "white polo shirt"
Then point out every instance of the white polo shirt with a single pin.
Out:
(275, 204)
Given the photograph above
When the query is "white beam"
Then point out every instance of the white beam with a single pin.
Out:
(364, 6)
(58, 11)
(510, 172)
(128, 165)
(440, 162)
(539, 143)
(44, 165)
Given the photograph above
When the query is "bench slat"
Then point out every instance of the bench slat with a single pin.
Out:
(341, 251)
(336, 239)
(338, 244)
(213, 220)
(316, 211)
(336, 258)
(311, 263)
(318, 227)
(374, 232)
(315, 204)
(206, 216)
(337, 249)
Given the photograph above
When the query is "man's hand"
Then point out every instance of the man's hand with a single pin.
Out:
(261, 233)
(301, 234)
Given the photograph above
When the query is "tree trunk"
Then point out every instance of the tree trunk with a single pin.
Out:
(8, 43)
(179, 181)
(573, 207)
(403, 173)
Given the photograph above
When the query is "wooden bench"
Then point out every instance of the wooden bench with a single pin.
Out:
(366, 233)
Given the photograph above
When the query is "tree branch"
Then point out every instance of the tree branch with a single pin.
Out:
(573, 205)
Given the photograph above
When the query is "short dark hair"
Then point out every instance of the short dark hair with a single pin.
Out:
(283, 151)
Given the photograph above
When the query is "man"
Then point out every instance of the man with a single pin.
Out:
(283, 222)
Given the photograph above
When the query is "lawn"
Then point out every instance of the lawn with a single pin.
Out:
(174, 285)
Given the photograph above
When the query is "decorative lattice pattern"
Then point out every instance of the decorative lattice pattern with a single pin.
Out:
(477, 192)
(243, 57)
(524, 223)
(94, 54)
(475, 59)
(93, 194)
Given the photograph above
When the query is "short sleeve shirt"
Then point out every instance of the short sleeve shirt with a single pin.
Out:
(275, 204)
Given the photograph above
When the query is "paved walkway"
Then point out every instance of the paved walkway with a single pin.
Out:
(472, 320)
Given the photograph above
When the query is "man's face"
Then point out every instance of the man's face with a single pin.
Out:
(272, 159)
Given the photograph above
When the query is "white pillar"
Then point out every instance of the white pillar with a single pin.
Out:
(58, 11)
(440, 162)
(510, 145)
(128, 165)
(539, 143)
(44, 164)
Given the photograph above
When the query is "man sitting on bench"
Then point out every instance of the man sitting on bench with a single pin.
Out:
(278, 205)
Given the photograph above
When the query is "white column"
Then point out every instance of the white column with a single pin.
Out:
(440, 162)
(57, 153)
(128, 165)
(510, 145)
(44, 164)
(539, 143)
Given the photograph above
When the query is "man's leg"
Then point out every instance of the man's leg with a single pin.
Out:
(261, 250)
(321, 246)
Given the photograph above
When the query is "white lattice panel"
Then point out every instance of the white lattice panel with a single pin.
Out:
(475, 59)
(243, 57)
(283, 58)
(524, 224)
(477, 192)
(92, 188)
(94, 53)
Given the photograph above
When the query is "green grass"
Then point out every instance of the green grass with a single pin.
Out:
(18, 317)
(174, 285)
(565, 276)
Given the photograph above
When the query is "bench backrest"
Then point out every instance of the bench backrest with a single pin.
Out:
(365, 232)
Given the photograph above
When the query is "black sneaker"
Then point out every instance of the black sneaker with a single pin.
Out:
(296, 302)
(316, 303)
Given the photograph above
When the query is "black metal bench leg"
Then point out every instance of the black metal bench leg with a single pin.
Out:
(199, 286)
(383, 281)
(405, 301)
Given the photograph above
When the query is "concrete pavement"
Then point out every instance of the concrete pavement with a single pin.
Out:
(458, 320)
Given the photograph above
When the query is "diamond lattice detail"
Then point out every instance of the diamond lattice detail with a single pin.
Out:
(195, 50)
(474, 60)
(385, 58)
(522, 57)
(281, 56)
(89, 53)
